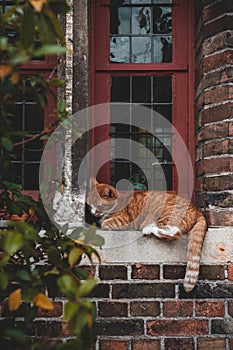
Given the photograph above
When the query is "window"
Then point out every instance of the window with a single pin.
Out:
(142, 53)
(26, 115)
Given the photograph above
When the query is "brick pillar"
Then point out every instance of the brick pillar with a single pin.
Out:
(213, 109)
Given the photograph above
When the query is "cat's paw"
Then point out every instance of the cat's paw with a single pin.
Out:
(169, 232)
(151, 229)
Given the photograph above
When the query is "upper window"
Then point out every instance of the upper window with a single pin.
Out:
(140, 32)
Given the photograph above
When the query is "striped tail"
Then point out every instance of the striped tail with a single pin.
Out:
(195, 243)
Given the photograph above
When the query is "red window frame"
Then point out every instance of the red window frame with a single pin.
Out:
(181, 69)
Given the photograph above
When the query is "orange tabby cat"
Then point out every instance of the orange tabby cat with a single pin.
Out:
(165, 215)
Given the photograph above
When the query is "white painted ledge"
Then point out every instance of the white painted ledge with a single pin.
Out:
(132, 247)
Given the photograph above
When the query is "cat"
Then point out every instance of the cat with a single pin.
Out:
(162, 214)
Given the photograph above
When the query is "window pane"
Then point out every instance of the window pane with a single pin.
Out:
(141, 89)
(120, 20)
(33, 117)
(141, 20)
(162, 49)
(141, 50)
(120, 90)
(162, 89)
(120, 50)
(162, 20)
(31, 175)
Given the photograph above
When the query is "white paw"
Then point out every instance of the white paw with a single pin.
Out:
(172, 231)
(151, 229)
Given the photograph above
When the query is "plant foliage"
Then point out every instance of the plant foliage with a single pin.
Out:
(37, 260)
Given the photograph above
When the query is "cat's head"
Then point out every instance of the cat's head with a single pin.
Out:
(102, 198)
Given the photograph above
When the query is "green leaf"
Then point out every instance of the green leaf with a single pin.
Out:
(13, 242)
(56, 25)
(54, 256)
(70, 309)
(6, 143)
(4, 260)
(68, 285)
(27, 27)
(75, 255)
(49, 49)
(4, 280)
(86, 287)
(61, 105)
(16, 335)
(24, 275)
(56, 82)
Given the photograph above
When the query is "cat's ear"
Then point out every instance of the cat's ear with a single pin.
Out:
(93, 182)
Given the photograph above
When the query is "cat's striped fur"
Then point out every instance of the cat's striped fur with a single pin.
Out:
(165, 215)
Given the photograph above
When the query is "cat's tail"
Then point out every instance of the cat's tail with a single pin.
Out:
(195, 243)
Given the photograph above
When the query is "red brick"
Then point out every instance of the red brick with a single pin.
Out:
(174, 272)
(179, 344)
(145, 308)
(216, 165)
(215, 183)
(217, 113)
(217, 94)
(210, 308)
(107, 344)
(230, 272)
(177, 327)
(147, 272)
(146, 344)
(212, 344)
(113, 272)
(217, 26)
(56, 312)
(214, 131)
(217, 42)
(216, 9)
(220, 217)
(177, 309)
(216, 147)
(230, 308)
(212, 272)
(112, 309)
(199, 184)
(231, 344)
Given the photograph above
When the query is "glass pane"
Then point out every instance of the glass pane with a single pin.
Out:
(165, 111)
(141, 89)
(17, 117)
(120, 90)
(33, 118)
(31, 175)
(119, 20)
(33, 150)
(162, 48)
(141, 20)
(162, 20)
(162, 89)
(119, 50)
(141, 50)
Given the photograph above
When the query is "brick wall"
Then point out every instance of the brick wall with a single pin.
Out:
(144, 307)
(213, 109)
